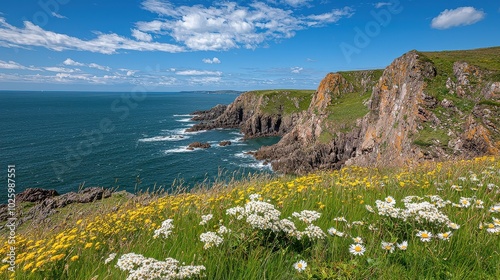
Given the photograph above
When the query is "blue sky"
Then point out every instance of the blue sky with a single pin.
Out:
(159, 45)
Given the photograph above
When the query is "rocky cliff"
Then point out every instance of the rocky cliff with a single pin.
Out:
(260, 113)
(423, 106)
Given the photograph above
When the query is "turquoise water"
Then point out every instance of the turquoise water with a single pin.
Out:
(61, 140)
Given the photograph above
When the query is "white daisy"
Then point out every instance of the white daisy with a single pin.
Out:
(388, 246)
(358, 240)
(424, 235)
(333, 231)
(445, 235)
(300, 265)
(403, 245)
(357, 249)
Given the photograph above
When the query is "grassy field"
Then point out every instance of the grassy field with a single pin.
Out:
(433, 221)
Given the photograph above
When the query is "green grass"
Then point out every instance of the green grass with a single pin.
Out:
(427, 137)
(345, 110)
(486, 58)
(251, 253)
(355, 78)
(285, 101)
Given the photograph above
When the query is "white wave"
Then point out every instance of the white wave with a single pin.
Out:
(177, 150)
(243, 154)
(236, 133)
(164, 138)
(237, 139)
(185, 115)
(255, 165)
(194, 132)
(185, 120)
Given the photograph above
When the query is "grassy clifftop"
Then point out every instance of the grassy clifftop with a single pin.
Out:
(287, 101)
(437, 220)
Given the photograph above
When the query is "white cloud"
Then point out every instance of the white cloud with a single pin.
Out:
(382, 4)
(205, 80)
(296, 70)
(32, 35)
(54, 14)
(457, 17)
(198, 73)
(61, 69)
(141, 36)
(14, 65)
(227, 25)
(71, 62)
(333, 16)
(100, 67)
(214, 60)
(296, 3)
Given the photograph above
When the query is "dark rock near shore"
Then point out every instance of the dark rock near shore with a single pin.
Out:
(47, 202)
(225, 143)
(35, 195)
(211, 114)
(198, 145)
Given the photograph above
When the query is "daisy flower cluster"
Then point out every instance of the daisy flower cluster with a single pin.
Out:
(264, 216)
(142, 268)
(211, 239)
(205, 219)
(414, 211)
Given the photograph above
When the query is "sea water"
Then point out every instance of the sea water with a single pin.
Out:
(133, 142)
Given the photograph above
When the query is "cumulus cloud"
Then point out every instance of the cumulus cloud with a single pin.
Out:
(458, 17)
(198, 73)
(214, 60)
(227, 25)
(71, 62)
(33, 35)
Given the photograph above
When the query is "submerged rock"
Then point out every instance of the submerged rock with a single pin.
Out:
(198, 145)
(224, 143)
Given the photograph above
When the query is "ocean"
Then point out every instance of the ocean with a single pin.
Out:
(129, 141)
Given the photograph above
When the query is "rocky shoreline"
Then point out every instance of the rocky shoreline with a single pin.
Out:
(44, 203)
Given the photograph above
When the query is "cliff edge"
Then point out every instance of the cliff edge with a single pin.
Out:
(424, 106)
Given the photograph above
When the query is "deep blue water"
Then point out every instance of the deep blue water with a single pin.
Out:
(61, 140)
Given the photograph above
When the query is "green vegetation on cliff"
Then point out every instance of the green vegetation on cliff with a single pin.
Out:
(462, 78)
(287, 101)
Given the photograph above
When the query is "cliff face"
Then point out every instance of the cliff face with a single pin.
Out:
(261, 113)
(424, 106)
